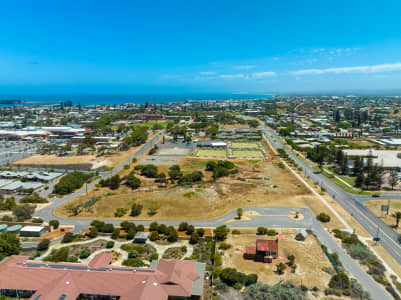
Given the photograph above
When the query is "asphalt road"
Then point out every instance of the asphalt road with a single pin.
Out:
(353, 204)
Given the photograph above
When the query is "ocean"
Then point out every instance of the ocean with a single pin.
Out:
(113, 99)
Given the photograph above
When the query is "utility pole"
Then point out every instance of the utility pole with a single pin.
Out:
(377, 234)
(388, 206)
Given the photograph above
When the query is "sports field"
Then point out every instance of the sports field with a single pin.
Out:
(211, 153)
(248, 153)
(237, 145)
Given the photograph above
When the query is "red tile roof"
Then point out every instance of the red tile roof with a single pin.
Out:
(267, 245)
(100, 260)
(51, 280)
(250, 250)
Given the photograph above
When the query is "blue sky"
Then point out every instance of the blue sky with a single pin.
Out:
(97, 46)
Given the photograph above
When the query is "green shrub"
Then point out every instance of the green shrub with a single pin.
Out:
(133, 262)
(71, 182)
(323, 217)
(136, 209)
(153, 226)
(361, 252)
(154, 236)
(183, 226)
(43, 245)
(154, 256)
(110, 244)
(224, 246)
(261, 230)
(339, 281)
(84, 253)
(120, 212)
(72, 259)
(133, 254)
(68, 237)
(54, 223)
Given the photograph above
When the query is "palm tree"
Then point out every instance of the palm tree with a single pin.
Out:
(397, 216)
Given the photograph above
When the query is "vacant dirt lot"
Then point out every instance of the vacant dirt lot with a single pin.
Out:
(309, 258)
(81, 162)
(258, 183)
(375, 207)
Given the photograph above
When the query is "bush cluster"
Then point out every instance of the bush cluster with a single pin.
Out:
(71, 182)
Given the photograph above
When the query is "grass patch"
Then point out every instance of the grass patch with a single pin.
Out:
(342, 185)
(189, 195)
(236, 145)
(248, 153)
(211, 153)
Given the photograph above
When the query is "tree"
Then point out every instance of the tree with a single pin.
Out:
(153, 226)
(84, 253)
(149, 171)
(154, 236)
(397, 216)
(323, 217)
(9, 244)
(183, 226)
(162, 229)
(116, 233)
(175, 172)
(24, 211)
(393, 180)
(153, 207)
(194, 238)
(339, 281)
(360, 179)
(172, 234)
(239, 212)
(253, 123)
(54, 223)
(133, 181)
(261, 230)
(221, 232)
(68, 237)
(337, 117)
(136, 209)
(190, 229)
(43, 245)
(8, 203)
(280, 268)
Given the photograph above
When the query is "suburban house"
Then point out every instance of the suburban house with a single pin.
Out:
(165, 279)
(265, 251)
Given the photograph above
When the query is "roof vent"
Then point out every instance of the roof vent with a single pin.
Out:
(154, 283)
(67, 282)
(143, 281)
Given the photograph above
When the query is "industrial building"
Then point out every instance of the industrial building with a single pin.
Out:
(32, 231)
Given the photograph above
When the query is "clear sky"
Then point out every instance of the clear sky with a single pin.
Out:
(98, 46)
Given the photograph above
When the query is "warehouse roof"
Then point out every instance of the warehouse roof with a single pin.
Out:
(32, 228)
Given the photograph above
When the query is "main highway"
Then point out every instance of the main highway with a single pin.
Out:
(353, 204)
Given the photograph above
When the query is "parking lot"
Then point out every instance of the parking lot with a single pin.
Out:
(14, 150)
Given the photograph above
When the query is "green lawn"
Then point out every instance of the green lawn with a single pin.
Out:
(344, 186)
(236, 145)
(211, 153)
(248, 153)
